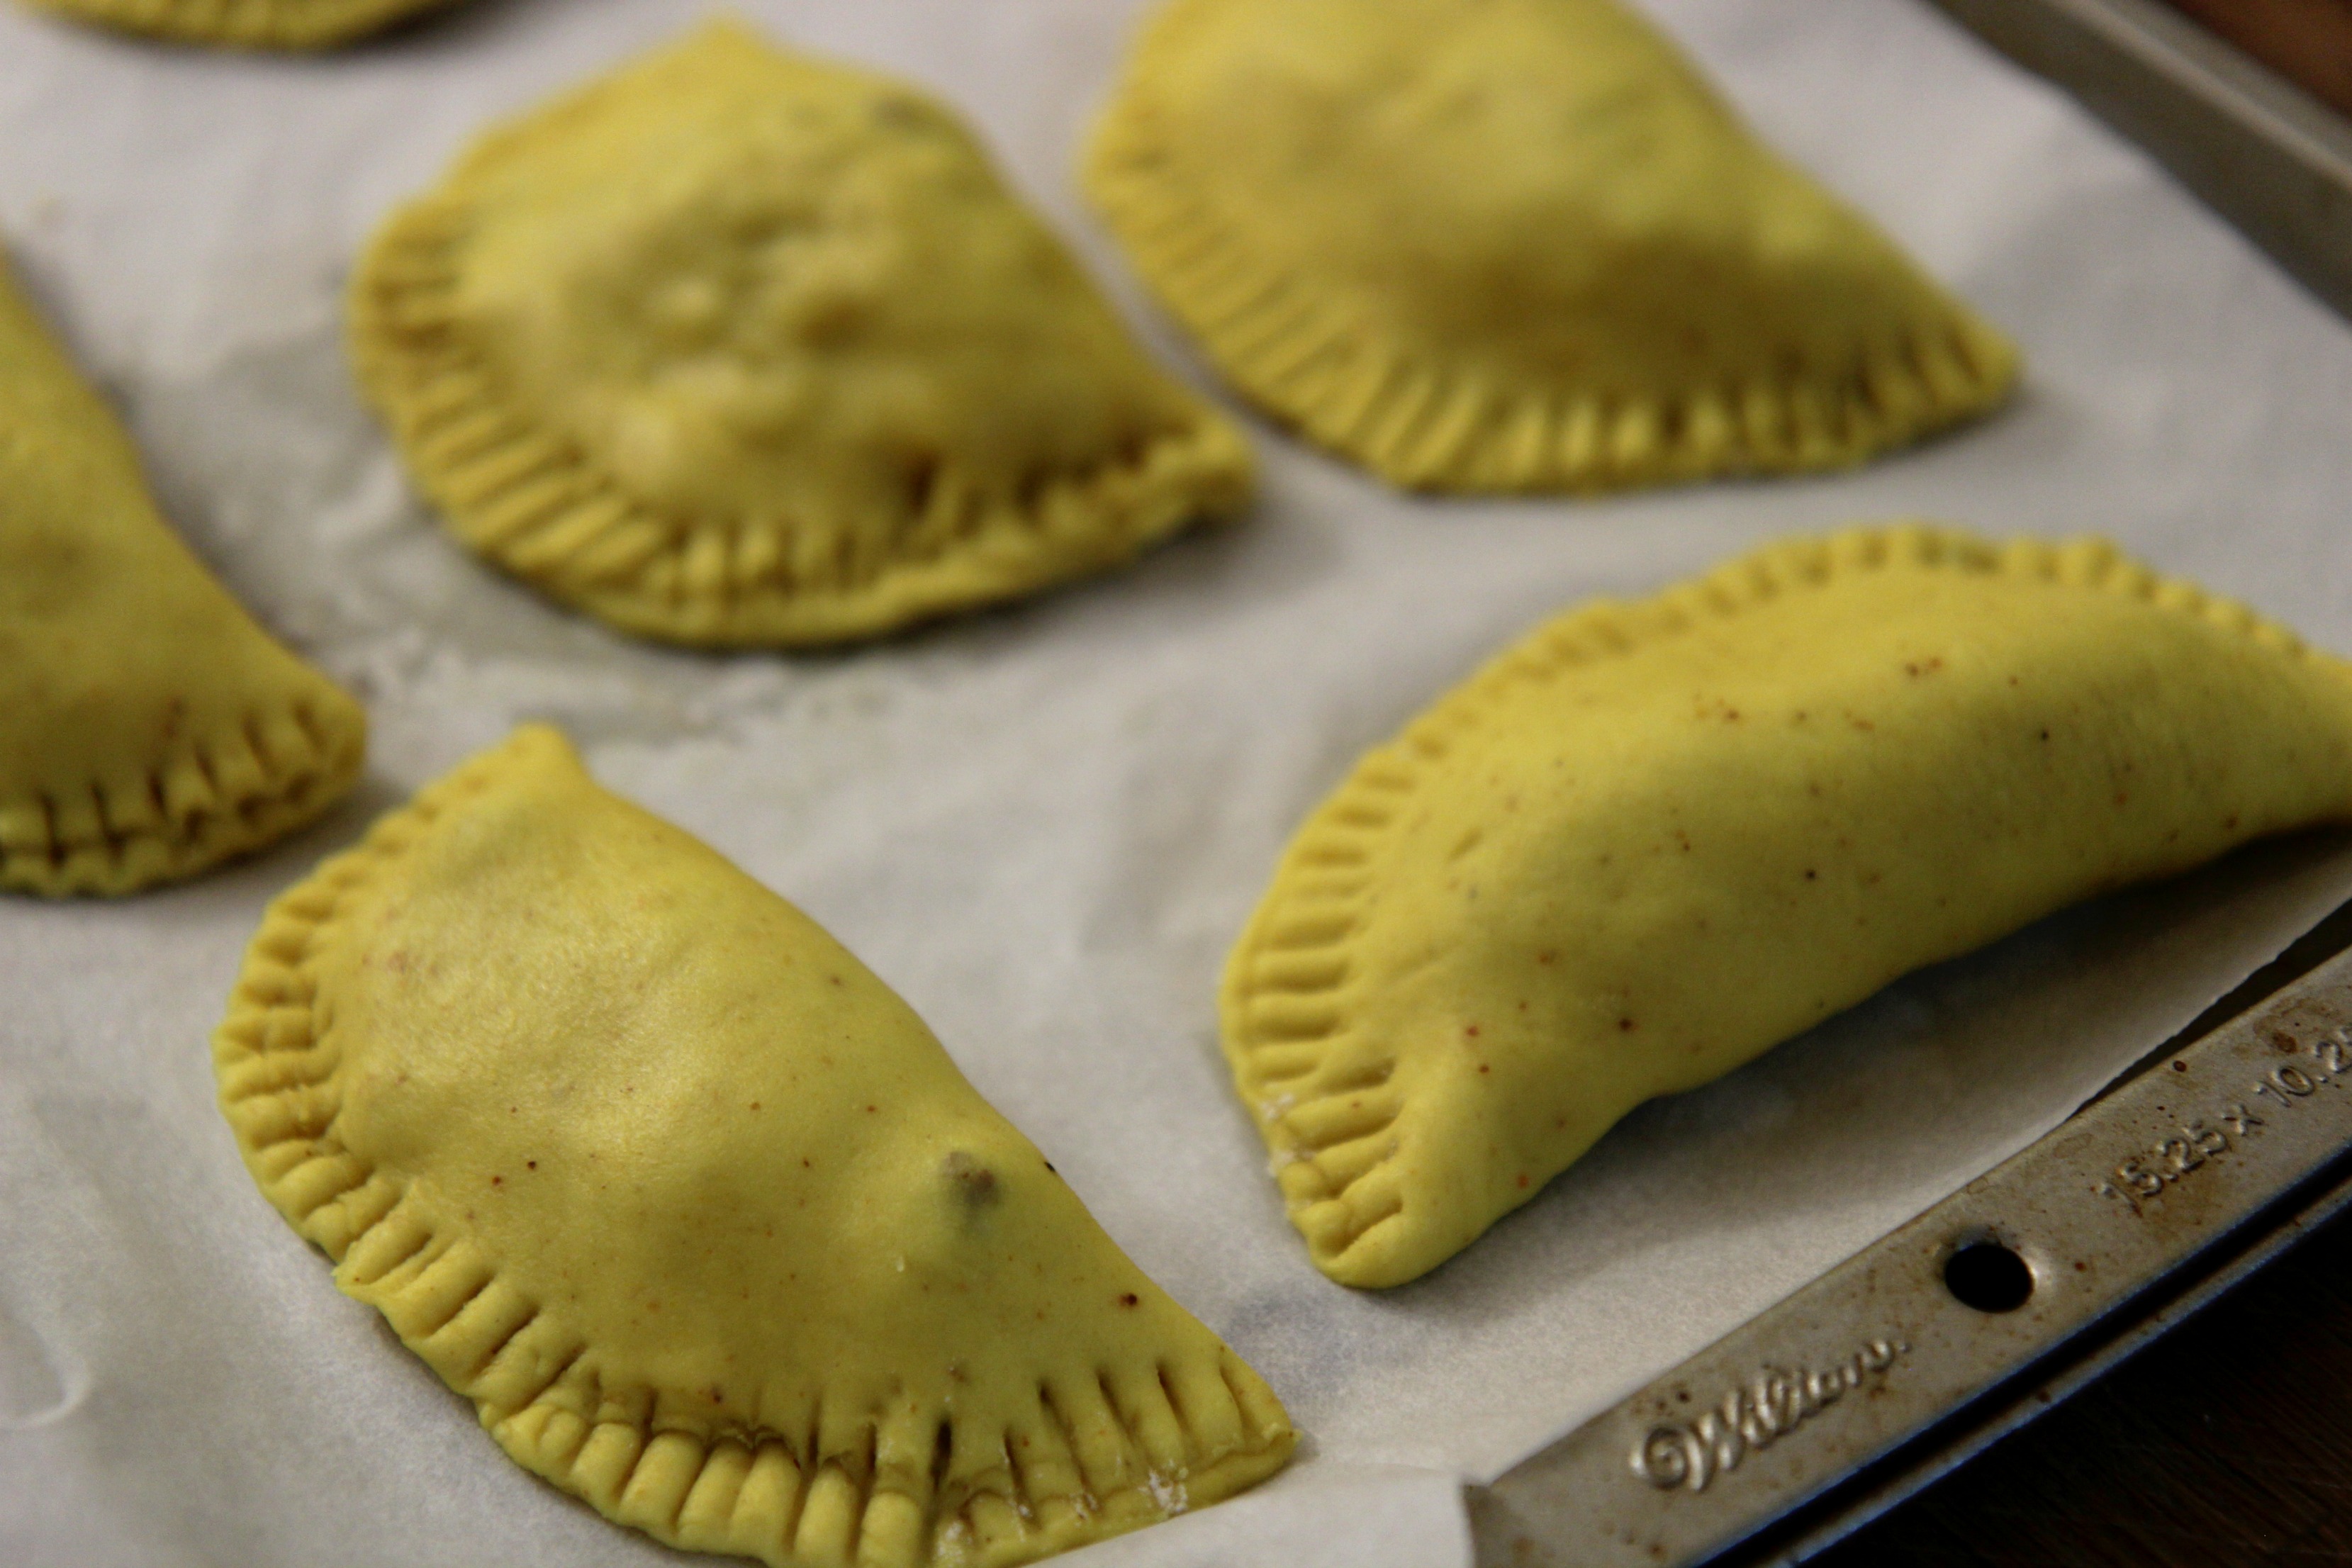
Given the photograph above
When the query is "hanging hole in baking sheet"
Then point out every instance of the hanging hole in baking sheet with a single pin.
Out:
(1989, 1276)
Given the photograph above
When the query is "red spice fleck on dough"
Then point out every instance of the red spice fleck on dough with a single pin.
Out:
(1129, 1299)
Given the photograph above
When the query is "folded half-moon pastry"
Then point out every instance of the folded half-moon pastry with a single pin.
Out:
(734, 347)
(246, 24)
(695, 1211)
(1651, 840)
(1513, 245)
(147, 727)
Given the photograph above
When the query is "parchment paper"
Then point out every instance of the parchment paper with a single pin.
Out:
(1044, 825)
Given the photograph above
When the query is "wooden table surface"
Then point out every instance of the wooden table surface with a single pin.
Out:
(2309, 42)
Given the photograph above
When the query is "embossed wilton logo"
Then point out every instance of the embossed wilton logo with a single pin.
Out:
(1751, 1417)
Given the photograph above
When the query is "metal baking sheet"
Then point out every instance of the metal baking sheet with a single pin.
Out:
(2262, 152)
(1984, 1312)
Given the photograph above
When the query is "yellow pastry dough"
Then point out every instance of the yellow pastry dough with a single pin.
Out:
(693, 1208)
(1500, 245)
(737, 347)
(147, 727)
(1653, 839)
(246, 24)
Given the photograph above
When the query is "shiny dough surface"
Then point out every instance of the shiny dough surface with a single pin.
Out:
(737, 346)
(1481, 245)
(694, 1209)
(1654, 839)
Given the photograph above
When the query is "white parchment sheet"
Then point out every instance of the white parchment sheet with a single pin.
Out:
(1044, 825)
